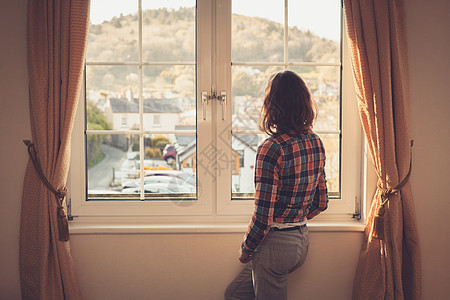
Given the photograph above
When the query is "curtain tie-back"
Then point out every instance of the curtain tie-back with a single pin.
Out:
(386, 193)
(60, 193)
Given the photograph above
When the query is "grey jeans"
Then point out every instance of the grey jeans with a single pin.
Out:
(265, 277)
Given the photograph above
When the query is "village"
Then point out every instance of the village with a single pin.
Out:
(173, 169)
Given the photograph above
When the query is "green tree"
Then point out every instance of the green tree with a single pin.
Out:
(96, 120)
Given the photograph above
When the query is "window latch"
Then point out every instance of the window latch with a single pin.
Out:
(222, 98)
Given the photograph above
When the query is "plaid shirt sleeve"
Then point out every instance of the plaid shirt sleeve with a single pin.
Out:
(268, 159)
(320, 200)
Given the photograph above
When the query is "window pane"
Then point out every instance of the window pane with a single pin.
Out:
(324, 84)
(244, 147)
(257, 30)
(168, 31)
(169, 166)
(169, 97)
(314, 31)
(110, 162)
(110, 94)
(113, 31)
(248, 85)
(332, 164)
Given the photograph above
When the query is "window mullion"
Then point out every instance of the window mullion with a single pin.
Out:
(286, 34)
(205, 147)
(141, 106)
(225, 160)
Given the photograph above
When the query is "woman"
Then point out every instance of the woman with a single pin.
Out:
(290, 188)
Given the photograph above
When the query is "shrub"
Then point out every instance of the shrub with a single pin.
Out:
(149, 152)
(160, 142)
(157, 153)
(152, 152)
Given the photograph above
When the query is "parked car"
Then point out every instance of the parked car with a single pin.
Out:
(169, 153)
(162, 188)
(175, 181)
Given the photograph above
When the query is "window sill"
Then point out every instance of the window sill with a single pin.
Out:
(79, 228)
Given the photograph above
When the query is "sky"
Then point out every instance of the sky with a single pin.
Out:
(321, 17)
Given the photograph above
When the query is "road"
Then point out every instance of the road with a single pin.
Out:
(101, 175)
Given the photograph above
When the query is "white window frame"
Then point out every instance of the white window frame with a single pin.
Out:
(345, 206)
(214, 203)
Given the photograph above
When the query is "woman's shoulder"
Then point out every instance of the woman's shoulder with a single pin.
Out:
(270, 144)
(312, 135)
(286, 140)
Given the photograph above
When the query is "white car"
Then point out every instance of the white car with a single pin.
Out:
(163, 181)
(162, 188)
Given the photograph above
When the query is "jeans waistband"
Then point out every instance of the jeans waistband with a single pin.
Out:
(287, 228)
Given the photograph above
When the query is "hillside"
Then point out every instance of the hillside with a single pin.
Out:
(168, 35)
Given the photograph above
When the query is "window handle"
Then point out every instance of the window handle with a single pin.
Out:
(223, 100)
(205, 99)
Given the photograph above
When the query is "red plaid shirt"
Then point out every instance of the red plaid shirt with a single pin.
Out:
(290, 184)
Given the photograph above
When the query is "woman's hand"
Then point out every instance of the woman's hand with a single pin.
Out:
(244, 256)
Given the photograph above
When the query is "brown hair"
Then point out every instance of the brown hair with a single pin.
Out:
(288, 105)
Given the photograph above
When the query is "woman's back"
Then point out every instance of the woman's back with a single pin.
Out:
(299, 161)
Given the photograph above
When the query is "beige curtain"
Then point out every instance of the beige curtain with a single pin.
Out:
(56, 39)
(389, 265)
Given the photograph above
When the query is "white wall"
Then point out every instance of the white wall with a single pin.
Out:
(14, 127)
(199, 266)
(167, 121)
(429, 57)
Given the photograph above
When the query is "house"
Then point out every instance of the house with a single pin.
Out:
(242, 159)
(243, 155)
(160, 114)
(173, 264)
(123, 114)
